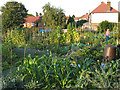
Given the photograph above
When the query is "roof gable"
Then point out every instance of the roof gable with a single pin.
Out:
(86, 16)
(102, 8)
(77, 18)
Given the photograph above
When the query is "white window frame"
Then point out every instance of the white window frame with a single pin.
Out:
(33, 24)
(28, 24)
(24, 24)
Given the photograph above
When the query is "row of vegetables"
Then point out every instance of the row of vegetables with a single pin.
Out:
(51, 73)
(71, 60)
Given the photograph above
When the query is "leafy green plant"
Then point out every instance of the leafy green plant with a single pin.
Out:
(104, 77)
(60, 64)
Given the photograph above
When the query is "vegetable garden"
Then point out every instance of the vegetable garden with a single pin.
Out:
(54, 59)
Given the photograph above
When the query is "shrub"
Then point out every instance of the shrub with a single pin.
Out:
(104, 25)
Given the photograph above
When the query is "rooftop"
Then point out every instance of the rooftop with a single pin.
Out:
(102, 8)
(32, 19)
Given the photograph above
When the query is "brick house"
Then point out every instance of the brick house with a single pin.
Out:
(32, 20)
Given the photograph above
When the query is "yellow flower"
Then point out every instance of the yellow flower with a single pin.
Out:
(87, 75)
(84, 37)
(97, 60)
(74, 63)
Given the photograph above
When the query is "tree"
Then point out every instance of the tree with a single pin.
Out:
(119, 17)
(36, 13)
(40, 14)
(13, 14)
(81, 22)
(53, 17)
(0, 22)
(73, 16)
(71, 20)
(104, 25)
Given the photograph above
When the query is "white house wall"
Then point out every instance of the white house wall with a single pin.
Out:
(99, 17)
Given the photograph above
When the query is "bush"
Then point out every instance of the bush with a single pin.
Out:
(104, 25)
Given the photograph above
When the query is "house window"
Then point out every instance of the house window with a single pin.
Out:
(24, 25)
(28, 24)
(33, 24)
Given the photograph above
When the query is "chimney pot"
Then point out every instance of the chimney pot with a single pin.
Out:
(108, 6)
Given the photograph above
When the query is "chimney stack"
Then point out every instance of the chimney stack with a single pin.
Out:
(108, 6)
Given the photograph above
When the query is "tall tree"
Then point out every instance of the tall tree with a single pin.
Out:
(71, 20)
(36, 13)
(81, 22)
(0, 22)
(119, 17)
(61, 18)
(13, 14)
(73, 16)
(53, 17)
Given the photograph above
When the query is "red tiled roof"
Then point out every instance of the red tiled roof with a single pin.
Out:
(82, 17)
(102, 8)
(67, 16)
(32, 19)
(86, 16)
(77, 18)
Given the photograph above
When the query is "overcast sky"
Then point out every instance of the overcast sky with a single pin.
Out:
(70, 7)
